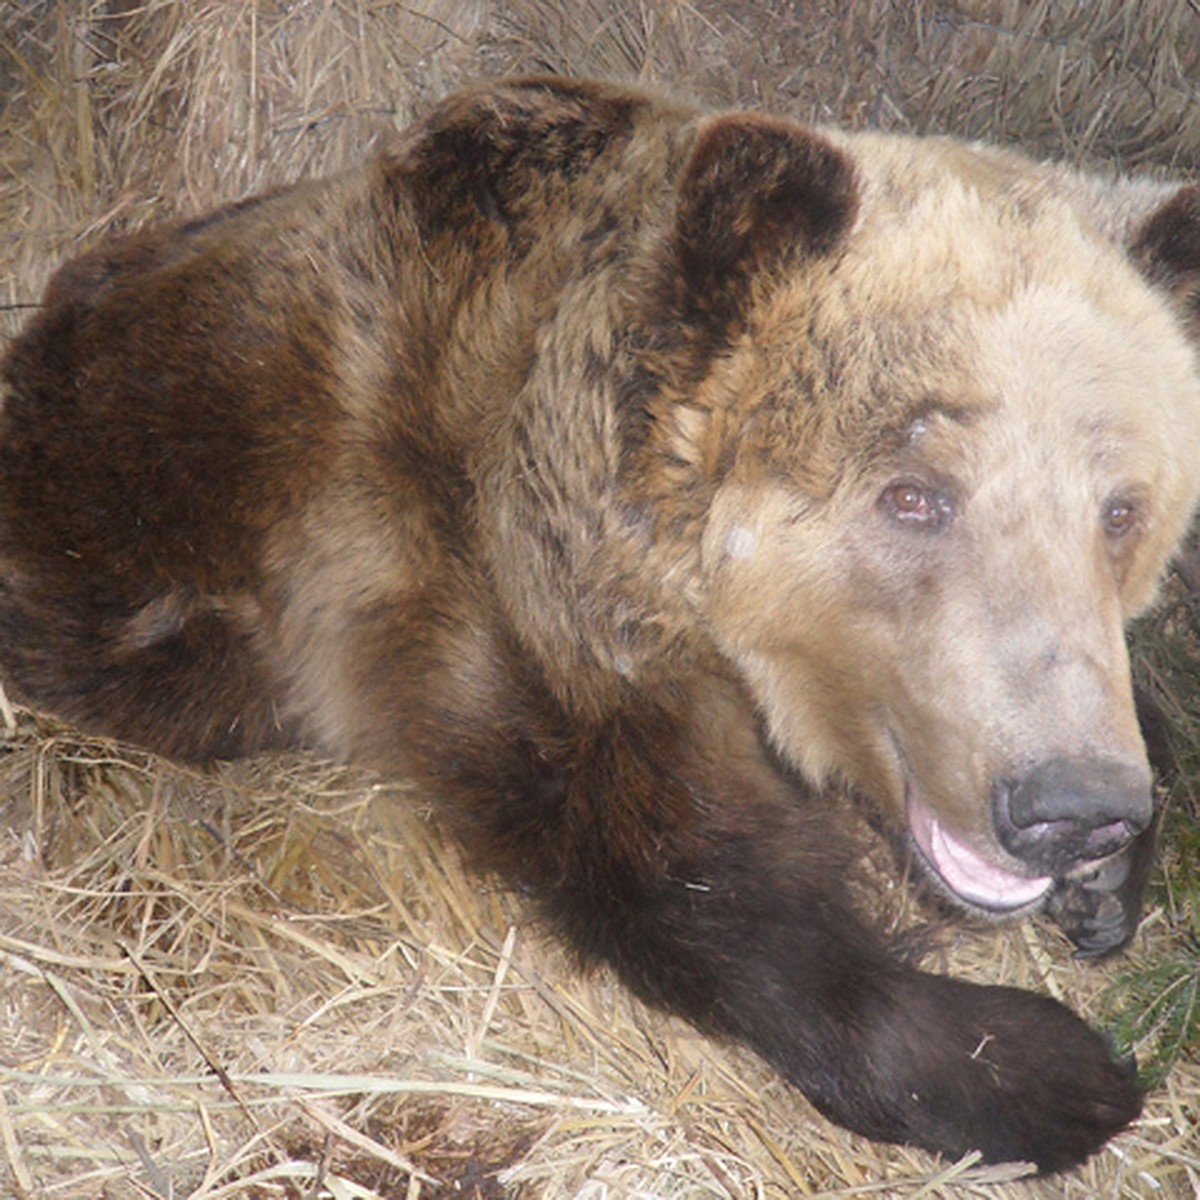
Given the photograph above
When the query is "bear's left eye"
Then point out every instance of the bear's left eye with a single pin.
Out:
(1120, 516)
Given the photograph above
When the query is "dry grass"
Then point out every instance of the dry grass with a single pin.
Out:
(275, 979)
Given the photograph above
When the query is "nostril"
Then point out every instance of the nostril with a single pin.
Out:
(1106, 839)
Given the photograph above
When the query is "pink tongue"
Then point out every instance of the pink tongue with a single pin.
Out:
(965, 871)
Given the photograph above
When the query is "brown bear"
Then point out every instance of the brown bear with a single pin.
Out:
(632, 477)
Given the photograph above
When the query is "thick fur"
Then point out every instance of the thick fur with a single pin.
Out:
(628, 475)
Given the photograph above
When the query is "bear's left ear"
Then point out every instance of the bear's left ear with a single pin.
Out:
(756, 190)
(1166, 246)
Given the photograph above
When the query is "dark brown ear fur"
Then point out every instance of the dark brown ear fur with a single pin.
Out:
(497, 154)
(756, 189)
(1167, 247)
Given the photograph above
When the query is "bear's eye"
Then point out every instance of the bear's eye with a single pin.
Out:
(1120, 516)
(914, 503)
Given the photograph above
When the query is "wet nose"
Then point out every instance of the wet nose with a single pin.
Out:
(1067, 811)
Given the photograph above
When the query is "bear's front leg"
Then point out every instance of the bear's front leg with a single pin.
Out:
(781, 962)
(667, 845)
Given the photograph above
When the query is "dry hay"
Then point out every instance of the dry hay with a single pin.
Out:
(275, 979)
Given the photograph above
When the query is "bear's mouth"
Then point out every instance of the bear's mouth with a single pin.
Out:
(969, 876)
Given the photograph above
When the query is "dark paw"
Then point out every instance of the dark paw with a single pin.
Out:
(1100, 912)
(1014, 1075)
(1075, 1095)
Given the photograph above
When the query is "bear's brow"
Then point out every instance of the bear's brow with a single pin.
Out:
(958, 412)
(908, 427)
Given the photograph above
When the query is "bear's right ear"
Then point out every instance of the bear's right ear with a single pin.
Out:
(757, 190)
(1166, 247)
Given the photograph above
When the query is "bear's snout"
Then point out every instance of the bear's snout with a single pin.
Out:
(1072, 810)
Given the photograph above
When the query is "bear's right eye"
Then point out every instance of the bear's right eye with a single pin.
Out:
(913, 503)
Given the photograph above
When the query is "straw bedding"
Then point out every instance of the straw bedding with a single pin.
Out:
(275, 979)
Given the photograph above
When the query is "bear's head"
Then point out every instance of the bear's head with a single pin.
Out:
(948, 431)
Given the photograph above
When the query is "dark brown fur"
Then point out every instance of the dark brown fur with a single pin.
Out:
(427, 464)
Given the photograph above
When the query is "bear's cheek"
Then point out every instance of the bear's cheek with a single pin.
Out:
(787, 611)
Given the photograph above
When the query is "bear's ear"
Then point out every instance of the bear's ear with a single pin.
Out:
(1167, 248)
(756, 189)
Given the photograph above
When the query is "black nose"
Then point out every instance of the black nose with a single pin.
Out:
(1068, 811)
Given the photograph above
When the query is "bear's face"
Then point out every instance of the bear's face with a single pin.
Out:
(966, 447)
